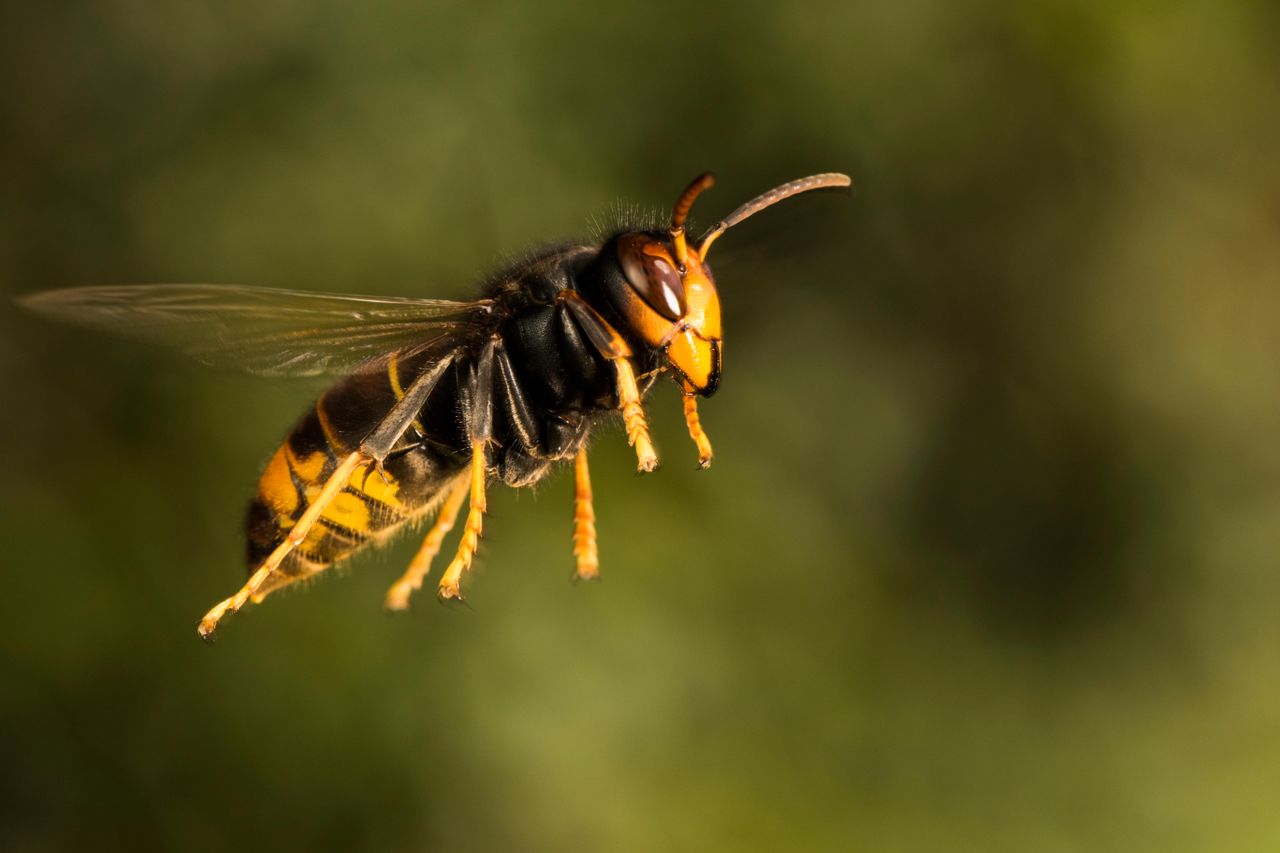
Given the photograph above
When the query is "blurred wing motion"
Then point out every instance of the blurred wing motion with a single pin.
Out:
(263, 330)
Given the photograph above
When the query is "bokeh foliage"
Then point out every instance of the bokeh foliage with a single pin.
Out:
(987, 560)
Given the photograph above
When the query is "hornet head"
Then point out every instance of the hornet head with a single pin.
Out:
(669, 298)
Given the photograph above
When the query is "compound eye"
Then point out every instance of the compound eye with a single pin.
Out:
(656, 281)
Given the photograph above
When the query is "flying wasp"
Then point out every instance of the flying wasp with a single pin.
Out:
(435, 397)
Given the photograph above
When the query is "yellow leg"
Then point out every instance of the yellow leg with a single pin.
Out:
(614, 347)
(450, 583)
(337, 480)
(584, 522)
(411, 581)
(633, 416)
(695, 431)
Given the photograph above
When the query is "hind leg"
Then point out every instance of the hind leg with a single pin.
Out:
(411, 581)
(373, 450)
(337, 480)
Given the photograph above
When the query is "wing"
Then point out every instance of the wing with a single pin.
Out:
(263, 330)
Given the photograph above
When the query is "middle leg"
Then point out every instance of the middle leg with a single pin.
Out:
(451, 581)
(584, 522)
(480, 429)
(411, 581)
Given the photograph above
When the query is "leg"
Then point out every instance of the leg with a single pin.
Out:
(614, 347)
(374, 449)
(633, 417)
(480, 427)
(584, 522)
(450, 583)
(411, 580)
(337, 480)
(695, 430)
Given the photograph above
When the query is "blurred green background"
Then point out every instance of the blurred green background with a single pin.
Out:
(987, 560)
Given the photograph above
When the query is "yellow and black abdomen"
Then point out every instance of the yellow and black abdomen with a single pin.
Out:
(373, 503)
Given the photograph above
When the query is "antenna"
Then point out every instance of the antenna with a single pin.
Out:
(757, 204)
(681, 212)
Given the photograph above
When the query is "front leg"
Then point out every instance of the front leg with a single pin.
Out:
(614, 347)
(633, 417)
(694, 423)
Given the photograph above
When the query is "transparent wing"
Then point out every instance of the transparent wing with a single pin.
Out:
(263, 330)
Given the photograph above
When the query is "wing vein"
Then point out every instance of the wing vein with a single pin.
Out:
(263, 330)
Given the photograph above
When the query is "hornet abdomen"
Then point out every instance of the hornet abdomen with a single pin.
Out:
(373, 503)
(546, 387)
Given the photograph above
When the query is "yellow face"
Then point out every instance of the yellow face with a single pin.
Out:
(679, 313)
